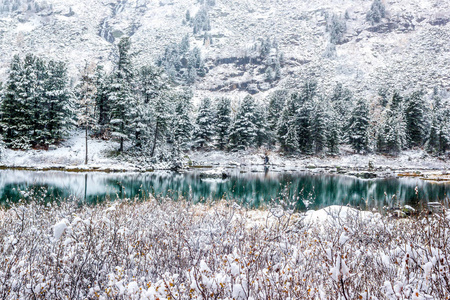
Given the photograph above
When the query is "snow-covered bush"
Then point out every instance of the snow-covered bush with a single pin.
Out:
(174, 250)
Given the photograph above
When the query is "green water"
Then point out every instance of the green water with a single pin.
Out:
(249, 189)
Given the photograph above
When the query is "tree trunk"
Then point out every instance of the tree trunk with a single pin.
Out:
(86, 137)
(154, 141)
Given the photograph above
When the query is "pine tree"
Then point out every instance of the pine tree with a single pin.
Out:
(394, 132)
(151, 82)
(86, 98)
(308, 92)
(162, 115)
(276, 102)
(141, 123)
(243, 131)
(59, 100)
(286, 128)
(123, 108)
(337, 29)
(391, 132)
(319, 129)
(415, 122)
(333, 133)
(13, 105)
(432, 144)
(304, 128)
(204, 129)
(181, 64)
(438, 139)
(223, 122)
(36, 107)
(150, 85)
(102, 101)
(260, 124)
(376, 13)
(358, 126)
(341, 101)
(396, 102)
(182, 120)
(201, 21)
(41, 100)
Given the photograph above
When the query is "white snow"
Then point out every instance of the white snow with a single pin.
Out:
(70, 154)
(59, 228)
(334, 213)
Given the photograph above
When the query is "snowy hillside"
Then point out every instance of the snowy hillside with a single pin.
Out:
(407, 49)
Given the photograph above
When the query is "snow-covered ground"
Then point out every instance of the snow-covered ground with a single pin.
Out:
(69, 155)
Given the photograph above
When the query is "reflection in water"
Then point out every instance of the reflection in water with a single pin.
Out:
(251, 189)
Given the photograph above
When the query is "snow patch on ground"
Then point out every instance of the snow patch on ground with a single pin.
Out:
(337, 213)
(71, 153)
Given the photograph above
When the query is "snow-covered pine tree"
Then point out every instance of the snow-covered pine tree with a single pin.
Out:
(380, 142)
(123, 106)
(163, 112)
(39, 104)
(391, 131)
(415, 121)
(12, 106)
(432, 144)
(333, 133)
(444, 132)
(358, 126)
(304, 115)
(286, 127)
(376, 13)
(182, 120)
(394, 131)
(341, 102)
(151, 84)
(438, 139)
(102, 101)
(308, 92)
(141, 122)
(204, 125)
(35, 110)
(304, 127)
(243, 131)
(337, 27)
(86, 93)
(181, 64)
(276, 102)
(195, 61)
(260, 123)
(223, 122)
(59, 101)
(319, 128)
(396, 102)
(201, 21)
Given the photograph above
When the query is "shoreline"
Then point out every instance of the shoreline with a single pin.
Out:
(436, 175)
(69, 156)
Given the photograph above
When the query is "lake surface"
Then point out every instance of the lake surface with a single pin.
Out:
(247, 188)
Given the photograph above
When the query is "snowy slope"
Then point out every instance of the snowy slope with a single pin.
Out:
(409, 49)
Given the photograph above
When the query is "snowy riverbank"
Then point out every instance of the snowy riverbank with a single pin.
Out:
(70, 155)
